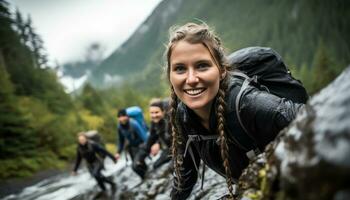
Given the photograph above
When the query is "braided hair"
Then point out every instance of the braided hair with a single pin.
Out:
(200, 34)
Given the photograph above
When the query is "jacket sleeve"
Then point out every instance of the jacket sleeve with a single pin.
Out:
(187, 173)
(77, 161)
(102, 151)
(121, 141)
(265, 115)
(153, 137)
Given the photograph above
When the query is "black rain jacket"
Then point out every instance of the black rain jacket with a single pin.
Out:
(159, 132)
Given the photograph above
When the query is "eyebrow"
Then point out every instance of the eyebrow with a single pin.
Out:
(197, 62)
(203, 61)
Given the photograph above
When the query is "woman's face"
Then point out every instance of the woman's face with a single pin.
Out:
(156, 114)
(82, 139)
(194, 75)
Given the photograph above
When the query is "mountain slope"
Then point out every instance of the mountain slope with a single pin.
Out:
(294, 28)
(135, 53)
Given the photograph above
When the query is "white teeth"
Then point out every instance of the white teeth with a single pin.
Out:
(194, 91)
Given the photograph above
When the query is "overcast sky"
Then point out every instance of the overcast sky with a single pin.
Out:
(69, 26)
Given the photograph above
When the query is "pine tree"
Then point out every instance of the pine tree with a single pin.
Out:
(16, 135)
(323, 71)
(21, 28)
(306, 77)
(92, 101)
(36, 44)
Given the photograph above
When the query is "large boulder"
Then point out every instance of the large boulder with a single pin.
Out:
(310, 159)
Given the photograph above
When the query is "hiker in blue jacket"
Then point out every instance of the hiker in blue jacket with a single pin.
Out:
(130, 132)
(218, 117)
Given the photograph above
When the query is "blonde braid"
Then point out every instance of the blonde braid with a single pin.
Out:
(221, 106)
(175, 134)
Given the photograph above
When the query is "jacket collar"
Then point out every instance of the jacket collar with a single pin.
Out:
(192, 121)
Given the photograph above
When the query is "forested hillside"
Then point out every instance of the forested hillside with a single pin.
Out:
(310, 35)
(38, 120)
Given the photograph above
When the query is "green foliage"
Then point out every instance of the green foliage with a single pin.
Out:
(306, 76)
(92, 101)
(67, 152)
(26, 166)
(38, 120)
(14, 125)
(323, 70)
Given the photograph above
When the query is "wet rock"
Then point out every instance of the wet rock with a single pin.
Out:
(158, 183)
(310, 158)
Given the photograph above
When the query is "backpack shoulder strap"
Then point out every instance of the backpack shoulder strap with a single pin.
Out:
(131, 128)
(192, 138)
(244, 86)
(254, 151)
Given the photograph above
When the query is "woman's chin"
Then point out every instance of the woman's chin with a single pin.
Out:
(195, 105)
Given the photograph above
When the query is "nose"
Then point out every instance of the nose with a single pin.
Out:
(192, 77)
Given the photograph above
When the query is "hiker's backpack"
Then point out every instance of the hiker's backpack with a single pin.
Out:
(136, 113)
(263, 68)
(94, 136)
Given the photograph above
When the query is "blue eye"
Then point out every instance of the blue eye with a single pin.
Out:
(203, 66)
(179, 69)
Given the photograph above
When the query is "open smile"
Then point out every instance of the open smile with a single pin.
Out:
(194, 92)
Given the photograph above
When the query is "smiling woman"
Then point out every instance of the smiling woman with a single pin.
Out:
(203, 113)
(194, 77)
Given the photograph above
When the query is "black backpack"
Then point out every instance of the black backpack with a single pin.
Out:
(263, 68)
(94, 136)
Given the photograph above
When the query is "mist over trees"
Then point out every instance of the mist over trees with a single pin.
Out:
(92, 58)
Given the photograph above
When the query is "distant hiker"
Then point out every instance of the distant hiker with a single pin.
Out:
(159, 138)
(218, 117)
(93, 153)
(130, 132)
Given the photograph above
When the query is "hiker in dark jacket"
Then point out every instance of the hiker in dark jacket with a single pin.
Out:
(93, 154)
(203, 111)
(159, 138)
